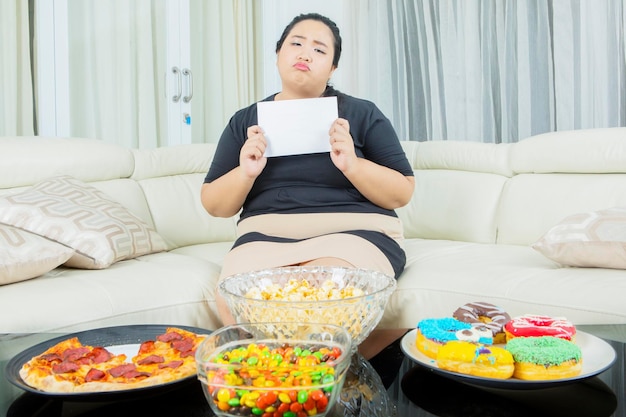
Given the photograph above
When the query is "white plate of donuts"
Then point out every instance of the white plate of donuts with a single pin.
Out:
(524, 352)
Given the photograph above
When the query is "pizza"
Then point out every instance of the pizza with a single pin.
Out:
(70, 366)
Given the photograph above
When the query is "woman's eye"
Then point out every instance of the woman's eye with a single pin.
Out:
(320, 51)
(296, 43)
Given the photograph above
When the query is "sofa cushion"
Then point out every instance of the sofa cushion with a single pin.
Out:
(454, 205)
(178, 214)
(592, 239)
(26, 160)
(24, 255)
(73, 213)
(160, 288)
(531, 204)
(441, 276)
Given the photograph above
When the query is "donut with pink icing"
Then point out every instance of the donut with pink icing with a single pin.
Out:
(531, 325)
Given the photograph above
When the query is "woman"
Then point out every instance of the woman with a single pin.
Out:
(314, 209)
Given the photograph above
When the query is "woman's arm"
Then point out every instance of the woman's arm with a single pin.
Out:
(381, 185)
(224, 196)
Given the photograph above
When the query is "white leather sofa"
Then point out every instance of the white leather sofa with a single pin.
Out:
(476, 211)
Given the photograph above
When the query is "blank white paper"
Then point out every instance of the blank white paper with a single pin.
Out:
(295, 127)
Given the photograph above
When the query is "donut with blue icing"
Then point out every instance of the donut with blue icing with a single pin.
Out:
(433, 333)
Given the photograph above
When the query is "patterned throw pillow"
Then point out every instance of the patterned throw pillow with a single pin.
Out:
(68, 211)
(594, 239)
(24, 255)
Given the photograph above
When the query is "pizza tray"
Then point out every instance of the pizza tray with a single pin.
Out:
(111, 338)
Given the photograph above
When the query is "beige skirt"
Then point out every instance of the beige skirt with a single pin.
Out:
(323, 237)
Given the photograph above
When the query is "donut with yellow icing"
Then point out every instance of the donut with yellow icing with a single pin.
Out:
(481, 314)
(531, 325)
(477, 360)
(545, 358)
(435, 332)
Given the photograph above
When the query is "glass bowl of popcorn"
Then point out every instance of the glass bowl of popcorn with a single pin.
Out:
(251, 369)
(352, 298)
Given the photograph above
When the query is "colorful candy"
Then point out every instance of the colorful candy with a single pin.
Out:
(281, 381)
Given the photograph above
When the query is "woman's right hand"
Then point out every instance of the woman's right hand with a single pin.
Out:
(251, 158)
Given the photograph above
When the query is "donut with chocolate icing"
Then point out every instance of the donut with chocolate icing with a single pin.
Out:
(545, 358)
(481, 314)
(530, 325)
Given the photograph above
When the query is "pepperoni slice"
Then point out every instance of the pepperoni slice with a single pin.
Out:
(121, 369)
(75, 353)
(187, 353)
(169, 337)
(148, 360)
(94, 375)
(184, 345)
(136, 374)
(172, 364)
(100, 355)
(51, 357)
(65, 367)
(84, 360)
(147, 346)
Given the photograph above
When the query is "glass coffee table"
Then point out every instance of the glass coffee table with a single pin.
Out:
(416, 392)
(419, 391)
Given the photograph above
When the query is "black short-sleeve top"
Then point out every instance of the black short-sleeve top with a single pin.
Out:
(311, 183)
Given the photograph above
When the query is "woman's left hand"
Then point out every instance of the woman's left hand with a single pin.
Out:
(341, 145)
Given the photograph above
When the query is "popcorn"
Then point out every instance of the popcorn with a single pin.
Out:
(278, 298)
(302, 290)
(346, 313)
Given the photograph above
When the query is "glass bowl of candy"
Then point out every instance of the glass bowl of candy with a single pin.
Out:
(349, 297)
(247, 369)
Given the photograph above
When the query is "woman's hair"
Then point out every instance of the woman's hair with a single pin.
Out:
(314, 16)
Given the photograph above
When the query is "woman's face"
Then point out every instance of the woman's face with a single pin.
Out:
(305, 60)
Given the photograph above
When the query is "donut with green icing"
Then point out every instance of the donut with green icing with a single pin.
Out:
(543, 350)
(545, 357)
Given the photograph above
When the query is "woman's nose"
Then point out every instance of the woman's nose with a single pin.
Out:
(304, 57)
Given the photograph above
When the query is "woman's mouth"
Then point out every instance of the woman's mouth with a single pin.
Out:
(301, 66)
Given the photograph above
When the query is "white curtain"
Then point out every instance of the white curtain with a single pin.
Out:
(365, 69)
(16, 97)
(500, 71)
(118, 66)
(226, 74)
(481, 70)
(115, 58)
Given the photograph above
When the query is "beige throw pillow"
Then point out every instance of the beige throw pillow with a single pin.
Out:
(68, 211)
(594, 239)
(24, 255)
